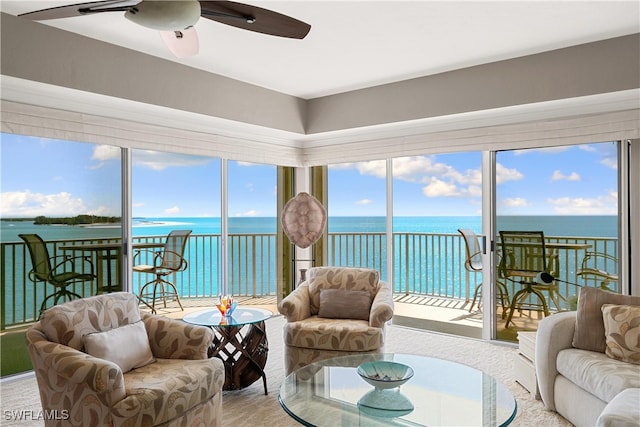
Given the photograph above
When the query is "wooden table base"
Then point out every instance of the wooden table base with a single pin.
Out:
(244, 356)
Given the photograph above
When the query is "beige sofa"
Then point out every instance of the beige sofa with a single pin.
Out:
(337, 311)
(578, 367)
(98, 362)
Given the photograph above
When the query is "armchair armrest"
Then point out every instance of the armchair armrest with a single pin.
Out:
(382, 306)
(175, 339)
(100, 376)
(297, 305)
(555, 333)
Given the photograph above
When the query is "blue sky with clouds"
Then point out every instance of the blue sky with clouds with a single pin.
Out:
(60, 178)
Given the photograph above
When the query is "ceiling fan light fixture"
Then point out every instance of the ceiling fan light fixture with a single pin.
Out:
(182, 43)
(165, 15)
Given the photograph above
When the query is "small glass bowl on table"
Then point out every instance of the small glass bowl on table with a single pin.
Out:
(385, 400)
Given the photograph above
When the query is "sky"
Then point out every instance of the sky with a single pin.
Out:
(62, 178)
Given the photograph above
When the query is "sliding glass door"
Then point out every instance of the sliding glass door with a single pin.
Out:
(556, 230)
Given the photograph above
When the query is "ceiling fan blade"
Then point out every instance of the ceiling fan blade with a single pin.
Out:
(254, 18)
(182, 43)
(80, 9)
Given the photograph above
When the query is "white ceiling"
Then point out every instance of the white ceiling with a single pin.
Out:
(358, 44)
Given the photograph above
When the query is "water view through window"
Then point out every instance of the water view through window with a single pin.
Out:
(567, 192)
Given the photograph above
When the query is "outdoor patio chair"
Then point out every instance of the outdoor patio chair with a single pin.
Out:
(473, 264)
(524, 256)
(169, 260)
(60, 271)
(337, 311)
(599, 266)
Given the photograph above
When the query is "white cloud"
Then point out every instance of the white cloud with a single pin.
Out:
(559, 176)
(547, 150)
(251, 212)
(106, 152)
(610, 162)
(515, 202)
(505, 174)
(439, 188)
(28, 204)
(172, 210)
(158, 161)
(601, 205)
(364, 202)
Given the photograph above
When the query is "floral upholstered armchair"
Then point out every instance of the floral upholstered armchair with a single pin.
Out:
(337, 311)
(99, 362)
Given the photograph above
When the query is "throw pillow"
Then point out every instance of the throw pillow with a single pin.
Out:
(622, 332)
(126, 346)
(589, 333)
(343, 304)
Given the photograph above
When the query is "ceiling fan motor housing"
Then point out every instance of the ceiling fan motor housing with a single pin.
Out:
(165, 15)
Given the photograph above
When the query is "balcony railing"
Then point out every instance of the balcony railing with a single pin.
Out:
(425, 264)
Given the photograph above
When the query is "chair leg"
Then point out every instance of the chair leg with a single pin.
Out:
(475, 297)
(159, 292)
(174, 293)
(142, 295)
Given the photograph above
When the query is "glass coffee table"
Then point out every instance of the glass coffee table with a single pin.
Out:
(240, 341)
(440, 393)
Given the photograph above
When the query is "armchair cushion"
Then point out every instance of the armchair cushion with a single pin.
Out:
(333, 334)
(622, 332)
(68, 323)
(589, 332)
(126, 346)
(343, 304)
(353, 279)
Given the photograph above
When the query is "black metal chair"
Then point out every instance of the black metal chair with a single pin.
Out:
(47, 269)
(169, 260)
(524, 256)
(473, 264)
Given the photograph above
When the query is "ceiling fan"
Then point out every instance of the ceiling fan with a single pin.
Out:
(175, 19)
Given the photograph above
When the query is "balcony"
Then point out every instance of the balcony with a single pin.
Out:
(430, 281)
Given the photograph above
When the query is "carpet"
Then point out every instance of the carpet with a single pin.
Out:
(250, 407)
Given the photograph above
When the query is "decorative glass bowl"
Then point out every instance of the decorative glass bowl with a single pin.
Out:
(226, 305)
(384, 374)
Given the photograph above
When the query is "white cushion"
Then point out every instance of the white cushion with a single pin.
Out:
(127, 346)
(598, 374)
(622, 411)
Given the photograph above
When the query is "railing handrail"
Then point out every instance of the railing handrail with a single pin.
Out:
(424, 263)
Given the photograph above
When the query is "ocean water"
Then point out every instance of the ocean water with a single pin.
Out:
(418, 267)
(566, 226)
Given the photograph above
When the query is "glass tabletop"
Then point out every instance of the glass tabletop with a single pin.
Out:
(241, 316)
(441, 392)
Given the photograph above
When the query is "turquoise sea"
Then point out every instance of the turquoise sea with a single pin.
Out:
(420, 268)
(594, 226)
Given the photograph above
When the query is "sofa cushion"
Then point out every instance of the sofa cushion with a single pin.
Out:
(343, 304)
(622, 332)
(589, 332)
(126, 346)
(333, 334)
(346, 278)
(622, 411)
(596, 373)
(164, 390)
(67, 323)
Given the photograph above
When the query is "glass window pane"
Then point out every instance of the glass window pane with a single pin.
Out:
(570, 194)
(357, 215)
(178, 192)
(68, 193)
(252, 196)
